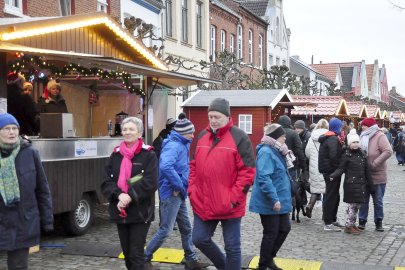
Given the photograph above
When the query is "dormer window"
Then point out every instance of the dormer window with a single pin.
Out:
(13, 7)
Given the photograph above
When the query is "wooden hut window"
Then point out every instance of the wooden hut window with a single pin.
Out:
(245, 123)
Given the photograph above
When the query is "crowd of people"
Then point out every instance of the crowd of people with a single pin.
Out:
(216, 181)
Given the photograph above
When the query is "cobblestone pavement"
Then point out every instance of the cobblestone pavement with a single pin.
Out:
(307, 240)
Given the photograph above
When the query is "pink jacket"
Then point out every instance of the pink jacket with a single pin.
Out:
(379, 151)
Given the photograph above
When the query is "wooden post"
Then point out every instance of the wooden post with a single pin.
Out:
(3, 75)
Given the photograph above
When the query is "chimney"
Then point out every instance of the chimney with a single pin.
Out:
(312, 59)
(320, 62)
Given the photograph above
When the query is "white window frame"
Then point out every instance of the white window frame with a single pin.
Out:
(184, 20)
(250, 46)
(232, 43)
(260, 51)
(243, 120)
(169, 18)
(223, 40)
(13, 7)
(271, 60)
(67, 8)
(199, 10)
(213, 31)
(240, 42)
(102, 5)
(277, 61)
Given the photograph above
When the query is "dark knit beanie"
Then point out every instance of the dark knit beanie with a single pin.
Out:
(277, 133)
(183, 126)
(299, 124)
(8, 119)
(220, 105)
(170, 123)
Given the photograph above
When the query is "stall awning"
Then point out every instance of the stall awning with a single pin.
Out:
(167, 78)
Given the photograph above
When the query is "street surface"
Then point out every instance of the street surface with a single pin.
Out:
(306, 241)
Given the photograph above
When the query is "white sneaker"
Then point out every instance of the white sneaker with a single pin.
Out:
(331, 228)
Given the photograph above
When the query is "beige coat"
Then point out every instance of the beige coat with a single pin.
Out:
(379, 151)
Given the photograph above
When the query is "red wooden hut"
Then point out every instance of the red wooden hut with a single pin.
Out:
(250, 109)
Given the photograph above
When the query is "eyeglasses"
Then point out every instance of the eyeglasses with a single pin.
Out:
(9, 129)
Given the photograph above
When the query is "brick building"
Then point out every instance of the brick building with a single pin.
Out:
(236, 29)
(49, 8)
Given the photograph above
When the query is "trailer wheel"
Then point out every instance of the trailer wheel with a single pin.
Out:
(79, 220)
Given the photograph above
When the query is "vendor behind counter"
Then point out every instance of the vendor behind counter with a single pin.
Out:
(52, 101)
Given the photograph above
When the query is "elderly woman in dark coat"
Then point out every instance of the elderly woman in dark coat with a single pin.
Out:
(25, 200)
(129, 185)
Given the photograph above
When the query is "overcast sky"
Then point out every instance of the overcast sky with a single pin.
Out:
(349, 31)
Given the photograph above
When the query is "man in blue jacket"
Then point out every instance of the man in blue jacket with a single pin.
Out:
(173, 183)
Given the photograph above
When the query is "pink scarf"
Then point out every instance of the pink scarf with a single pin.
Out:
(126, 164)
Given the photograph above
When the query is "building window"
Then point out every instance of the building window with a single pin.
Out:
(102, 5)
(240, 40)
(65, 7)
(250, 46)
(245, 123)
(212, 43)
(184, 21)
(277, 32)
(260, 51)
(223, 40)
(284, 62)
(232, 43)
(199, 24)
(169, 18)
(271, 60)
(277, 61)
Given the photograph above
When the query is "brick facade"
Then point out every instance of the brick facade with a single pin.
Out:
(49, 8)
(228, 20)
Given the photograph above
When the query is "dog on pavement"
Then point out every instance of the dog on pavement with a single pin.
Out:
(299, 200)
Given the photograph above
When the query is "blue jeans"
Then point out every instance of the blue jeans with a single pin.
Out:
(202, 239)
(174, 209)
(400, 157)
(378, 201)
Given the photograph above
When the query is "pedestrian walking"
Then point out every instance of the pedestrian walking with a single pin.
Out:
(220, 177)
(173, 183)
(157, 143)
(294, 144)
(330, 152)
(316, 180)
(25, 199)
(304, 136)
(357, 180)
(129, 185)
(399, 147)
(378, 151)
(271, 194)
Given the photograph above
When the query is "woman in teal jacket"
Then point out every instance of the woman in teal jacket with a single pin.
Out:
(271, 195)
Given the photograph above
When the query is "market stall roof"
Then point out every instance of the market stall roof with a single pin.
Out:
(357, 108)
(240, 98)
(373, 111)
(327, 106)
(82, 39)
(384, 114)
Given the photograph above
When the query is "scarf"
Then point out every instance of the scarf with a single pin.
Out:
(126, 164)
(366, 136)
(282, 148)
(9, 186)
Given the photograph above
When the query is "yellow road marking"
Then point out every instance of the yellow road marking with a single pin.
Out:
(290, 264)
(165, 255)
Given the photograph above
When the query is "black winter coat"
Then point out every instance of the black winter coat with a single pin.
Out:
(20, 224)
(142, 207)
(357, 177)
(330, 151)
(294, 144)
(52, 106)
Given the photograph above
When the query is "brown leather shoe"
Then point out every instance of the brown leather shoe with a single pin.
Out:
(351, 230)
(357, 229)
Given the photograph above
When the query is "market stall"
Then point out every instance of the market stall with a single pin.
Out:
(103, 70)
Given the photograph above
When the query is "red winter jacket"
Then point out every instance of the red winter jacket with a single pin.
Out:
(221, 173)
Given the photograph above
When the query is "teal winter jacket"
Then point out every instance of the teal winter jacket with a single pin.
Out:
(272, 182)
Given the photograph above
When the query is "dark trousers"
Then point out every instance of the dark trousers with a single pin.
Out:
(17, 259)
(275, 231)
(133, 238)
(331, 200)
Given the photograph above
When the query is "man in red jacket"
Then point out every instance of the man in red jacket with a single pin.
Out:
(221, 174)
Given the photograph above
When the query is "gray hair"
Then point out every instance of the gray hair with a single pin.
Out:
(135, 120)
(323, 123)
(270, 128)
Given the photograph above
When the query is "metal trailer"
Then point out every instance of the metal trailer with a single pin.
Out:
(75, 169)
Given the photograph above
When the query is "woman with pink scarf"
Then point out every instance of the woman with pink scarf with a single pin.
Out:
(129, 184)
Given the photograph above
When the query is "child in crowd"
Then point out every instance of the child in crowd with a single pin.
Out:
(357, 180)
